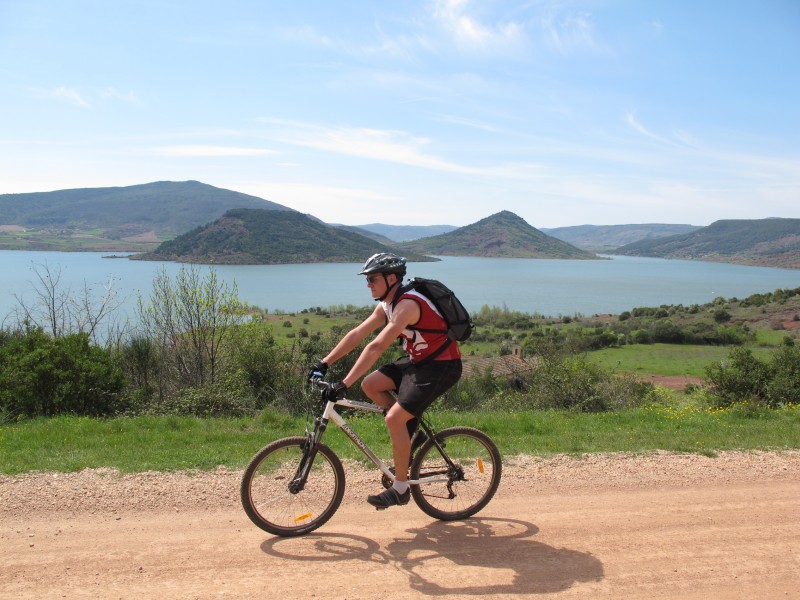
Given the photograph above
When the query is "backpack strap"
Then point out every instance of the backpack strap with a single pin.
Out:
(409, 287)
(436, 352)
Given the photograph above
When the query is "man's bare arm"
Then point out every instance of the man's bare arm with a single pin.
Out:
(407, 312)
(356, 335)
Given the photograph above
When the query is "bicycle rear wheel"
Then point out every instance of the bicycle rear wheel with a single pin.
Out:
(273, 503)
(472, 475)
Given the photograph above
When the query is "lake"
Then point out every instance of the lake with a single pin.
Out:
(548, 287)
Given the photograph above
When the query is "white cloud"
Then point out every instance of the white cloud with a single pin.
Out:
(70, 95)
(193, 151)
(331, 203)
(630, 118)
(570, 33)
(129, 97)
(469, 32)
(83, 100)
(387, 145)
(305, 35)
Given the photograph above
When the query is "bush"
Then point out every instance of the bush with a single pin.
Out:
(229, 396)
(745, 378)
(784, 385)
(472, 393)
(721, 315)
(270, 370)
(44, 376)
(558, 381)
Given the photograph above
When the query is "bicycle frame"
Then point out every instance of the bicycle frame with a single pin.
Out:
(329, 414)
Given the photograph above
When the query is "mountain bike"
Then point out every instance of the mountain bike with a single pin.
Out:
(295, 485)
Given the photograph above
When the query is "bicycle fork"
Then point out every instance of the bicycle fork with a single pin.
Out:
(298, 482)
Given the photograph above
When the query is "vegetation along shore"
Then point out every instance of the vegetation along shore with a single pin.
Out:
(216, 379)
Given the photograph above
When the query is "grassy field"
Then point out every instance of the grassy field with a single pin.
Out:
(55, 241)
(67, 444)
(664, 359)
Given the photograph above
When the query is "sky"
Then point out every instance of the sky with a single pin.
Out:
(415, 112)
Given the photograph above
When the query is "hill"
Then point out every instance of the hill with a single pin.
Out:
(607, 238)
(759, 242)
(406, 233)
(258, 236)
(381, 239)
(116, 218)
(503, 235)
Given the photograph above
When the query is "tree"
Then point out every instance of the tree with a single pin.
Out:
(189, 318)
(60, 312)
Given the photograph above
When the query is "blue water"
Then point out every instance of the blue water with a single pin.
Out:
(547, 287)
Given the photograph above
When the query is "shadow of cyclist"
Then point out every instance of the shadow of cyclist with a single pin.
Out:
(323, 547)
(472, 557)
(488, 556)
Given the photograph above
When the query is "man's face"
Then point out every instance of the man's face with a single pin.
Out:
(376, 282)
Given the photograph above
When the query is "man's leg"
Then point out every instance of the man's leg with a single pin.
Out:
(396, 420)
(378, 388)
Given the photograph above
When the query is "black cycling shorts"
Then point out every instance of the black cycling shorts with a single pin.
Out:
(417, 386)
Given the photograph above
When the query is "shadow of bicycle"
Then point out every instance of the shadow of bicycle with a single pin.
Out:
(467, 558)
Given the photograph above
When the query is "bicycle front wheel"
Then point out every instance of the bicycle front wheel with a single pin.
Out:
(273, 500)
(467, 471)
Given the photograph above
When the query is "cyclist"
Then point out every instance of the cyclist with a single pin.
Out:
(405, 387)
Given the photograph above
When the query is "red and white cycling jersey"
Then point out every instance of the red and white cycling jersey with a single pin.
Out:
(417, 341)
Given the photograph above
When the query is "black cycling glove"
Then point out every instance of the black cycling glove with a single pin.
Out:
(318, 370)
(334, 391)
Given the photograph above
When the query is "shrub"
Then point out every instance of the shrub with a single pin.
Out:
(44, 376)
(745, 378)
(666, 332)
(229, 396)
(784, 385)
(721, 315)
(472, 393)
(572, 383)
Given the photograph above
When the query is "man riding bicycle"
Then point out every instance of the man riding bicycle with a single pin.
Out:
(405, 387)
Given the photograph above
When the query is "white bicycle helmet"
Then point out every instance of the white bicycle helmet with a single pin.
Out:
(384, 262)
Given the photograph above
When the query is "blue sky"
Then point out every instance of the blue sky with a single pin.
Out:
(420, 112)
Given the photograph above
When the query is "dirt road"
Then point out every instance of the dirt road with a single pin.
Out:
(599, 527)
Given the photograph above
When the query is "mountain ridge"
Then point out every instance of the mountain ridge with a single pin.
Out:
(406, 233)
(117, 218)
(607, 238)
(140, 217)
(771, 242)
(502, 235)
(259, 236)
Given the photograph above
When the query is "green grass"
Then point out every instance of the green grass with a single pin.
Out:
(312, 323)
(67, 444)
(770, 337)
(663, 359)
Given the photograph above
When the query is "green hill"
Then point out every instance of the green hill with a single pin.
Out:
(256, 236)
(503, 235)
(116, 218)
(607, 238)
(759, 242)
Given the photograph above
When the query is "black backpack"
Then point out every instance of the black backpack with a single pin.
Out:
(459, 323)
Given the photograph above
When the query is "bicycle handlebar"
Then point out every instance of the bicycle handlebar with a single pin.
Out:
(317, 379)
